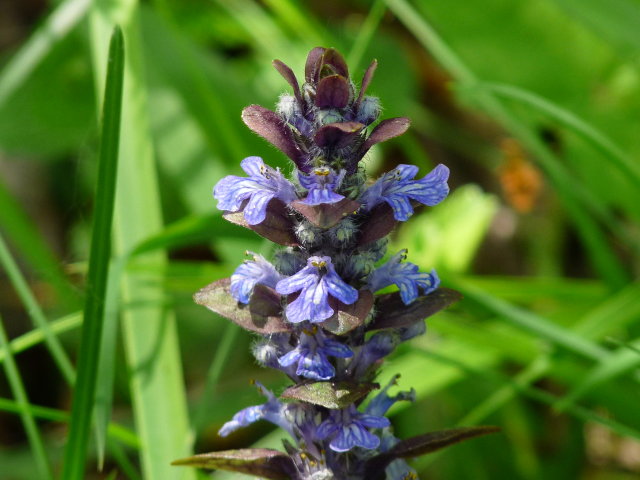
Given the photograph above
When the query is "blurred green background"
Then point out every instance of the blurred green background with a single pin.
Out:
(533, 104)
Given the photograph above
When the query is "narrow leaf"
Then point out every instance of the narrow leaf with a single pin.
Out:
(89, 351)
(261, 462)
(385, 130)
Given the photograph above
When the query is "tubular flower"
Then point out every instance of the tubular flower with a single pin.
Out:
(263, 184)
(251, 273)
(405, 275)
(397, 188)
(322, 184)
(311, 354)
(348, 428)
(315, 282)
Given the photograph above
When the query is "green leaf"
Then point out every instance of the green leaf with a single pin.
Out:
(329, 394)
(89, 351)
(261, 462)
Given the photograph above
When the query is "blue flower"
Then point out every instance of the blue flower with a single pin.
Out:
(273, 411)
(382, 402)
(315, 282)
(311, 355)
(249, 274)
(405, 275)
(398, 188)
(263, 184)
(321, 185)
(347, 428)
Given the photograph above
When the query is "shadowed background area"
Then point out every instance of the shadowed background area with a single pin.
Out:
(533, 105)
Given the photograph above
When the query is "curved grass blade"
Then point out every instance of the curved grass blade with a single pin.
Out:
(35, 312)
(597, 139)
(66, 16)
(89, 351)
(17, 388)
(575, 196)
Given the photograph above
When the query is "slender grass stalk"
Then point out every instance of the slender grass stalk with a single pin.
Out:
(89, 351)
(17, 388)
(35, 312)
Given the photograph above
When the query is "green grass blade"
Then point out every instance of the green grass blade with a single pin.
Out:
(622, 361)
(597, 139)
(531, 322)
(149, 331)
(17, 388)
(574, 195)
(60, 22)
(37, 336)
(36, 313)
(22, 233)
(89, 351)
(365, 34)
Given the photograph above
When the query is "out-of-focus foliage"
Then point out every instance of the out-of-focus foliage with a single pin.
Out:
(534, 106)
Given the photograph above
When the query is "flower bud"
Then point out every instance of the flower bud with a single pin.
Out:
(369, 110)
(325, 116)
(266, 353)
(288, 261)
(307, 234)
(344, 232)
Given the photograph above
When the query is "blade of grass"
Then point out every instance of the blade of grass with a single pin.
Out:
(22, 233)
(17, 388)
(365, 35)
(575, 197)
(149, 331)
(531, 322)
(619, 363)
(89, 350)
(37, 336)
(66, 16)
(597, 139)
(35, 313)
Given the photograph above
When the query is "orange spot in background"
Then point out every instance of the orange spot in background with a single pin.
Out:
(521, 181)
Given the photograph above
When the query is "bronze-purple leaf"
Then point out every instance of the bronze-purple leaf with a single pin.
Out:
(386, 129)
(272, 128)
(291, 79)
(332, 92)
(379, 223)
(421, 445)
(366, 80)
(312, 66)
(261, 462)
(262, 315)
(337, 135)
(391, 312)
(336, 61)
(349, 317)
(329, 394)
(326, 215)
(277, 225)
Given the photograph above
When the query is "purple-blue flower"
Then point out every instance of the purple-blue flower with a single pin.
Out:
(311, 354)
(347, 428)
(322, 184)
(398, 188)
(273, 411)
(249, 274)
(315, 282)
(405, 275)
(263, 184)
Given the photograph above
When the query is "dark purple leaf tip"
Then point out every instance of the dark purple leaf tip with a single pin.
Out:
(332, 92)
(337, 135)
(385, 130)
(277, 225)
(349, 317)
